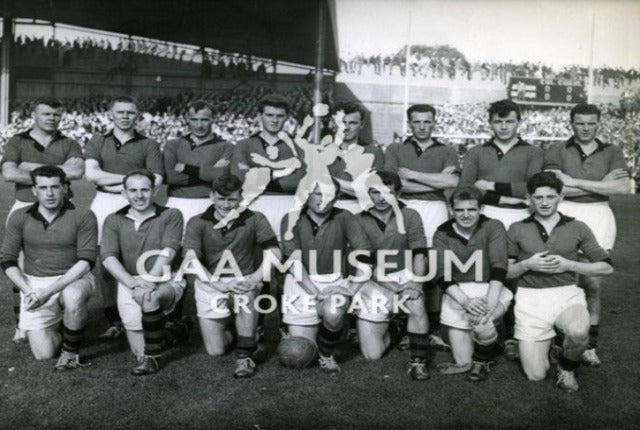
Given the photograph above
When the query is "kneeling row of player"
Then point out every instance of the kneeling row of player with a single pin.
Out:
(59, 243)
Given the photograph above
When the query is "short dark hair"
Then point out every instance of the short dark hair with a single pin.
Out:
(124, 99)
(503, 108)
(47, 101)
(197, 106)
(141, 172)
(352, 107)
(465, 193)
(423, 108)
(390, 179)
(544, 179)
(274, 100)
(585, 109)
(49, 171)
(226, 184)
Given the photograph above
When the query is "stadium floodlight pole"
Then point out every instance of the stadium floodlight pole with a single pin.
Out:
(590, 79)
(406, 78)
(5, 73)
(317, 92)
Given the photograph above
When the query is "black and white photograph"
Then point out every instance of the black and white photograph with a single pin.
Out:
(319, 214)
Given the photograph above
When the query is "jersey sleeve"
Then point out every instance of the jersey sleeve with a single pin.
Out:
(87, 238)
(293, 244)
(440, 246)
(92, 150)
(451, 159)
(469, 174)
(170, 156)
(240, 155)
(172, 236)
(209, 173)
(553, 157)
(110, 242)
(513, 248)
(536, 160)
(265, 237)
(74, 150)
(590, 247)
(617, 159)
(193, 236)
(153, 160)
(497, 247)
(378, 161)
(12, 243)
(12, 151)
(391, 163)
(415, 231)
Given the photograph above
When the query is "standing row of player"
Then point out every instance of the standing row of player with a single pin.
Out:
(425, 168)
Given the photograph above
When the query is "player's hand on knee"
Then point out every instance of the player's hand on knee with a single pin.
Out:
(138, 295)
(476, 306)
(412, 293)
(31, 301)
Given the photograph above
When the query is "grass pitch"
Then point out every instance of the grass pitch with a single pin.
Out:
(195, 391)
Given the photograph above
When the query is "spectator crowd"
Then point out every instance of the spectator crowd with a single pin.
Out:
(445, 62)
(128, 54)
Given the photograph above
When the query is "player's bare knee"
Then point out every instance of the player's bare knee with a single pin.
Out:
(74, 297)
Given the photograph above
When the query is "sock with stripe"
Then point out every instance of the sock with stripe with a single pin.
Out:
(153, 330)
(594, 331)
(419, 346)
(72, 339)
(246, 346)
(328, 340)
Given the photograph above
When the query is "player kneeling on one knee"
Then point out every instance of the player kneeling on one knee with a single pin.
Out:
(316, 301)
(231, 271)
(139, 243)
(474, 299)
(59, 242)
(543, 254)
(407, 245)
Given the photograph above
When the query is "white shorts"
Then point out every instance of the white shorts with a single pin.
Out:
(376, 302)
(597, 216)
(50, 313)
(131, 312)
(350, 205)
(507, 216)
(274, 207)
(188, 207)
(103, 205)
(303, 309)
(432, 212)
(18, 205)
(453, 314)
(537, 310)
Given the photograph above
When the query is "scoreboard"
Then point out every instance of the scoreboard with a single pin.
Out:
(549, 92)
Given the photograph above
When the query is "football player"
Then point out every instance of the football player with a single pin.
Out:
(108, 158)
(426, 167)
(472, 305)
(382, 231)
(243, 240)
(42, 145)
(543, 254)
(591, 171)
(143, 298)
(267, 165)
(500, 168)
(59, 242)
(320, 294)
